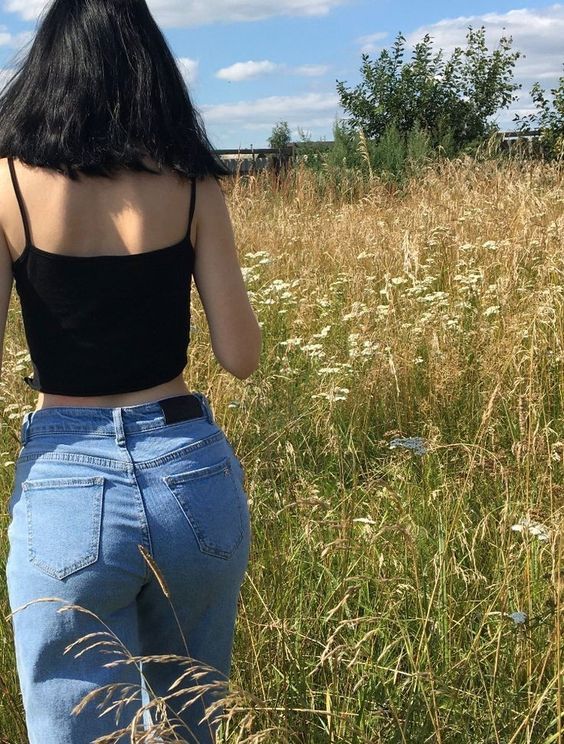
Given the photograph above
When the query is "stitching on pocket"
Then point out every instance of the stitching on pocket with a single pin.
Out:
(211, 502)
(64, 522)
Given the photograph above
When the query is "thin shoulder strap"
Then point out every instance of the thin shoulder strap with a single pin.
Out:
(192, 205)
(20, 200)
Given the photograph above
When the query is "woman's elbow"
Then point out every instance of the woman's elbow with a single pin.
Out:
(243, 359)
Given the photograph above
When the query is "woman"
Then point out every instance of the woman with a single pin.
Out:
(104, 162)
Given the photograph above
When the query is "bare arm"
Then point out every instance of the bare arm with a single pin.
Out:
(236, 336)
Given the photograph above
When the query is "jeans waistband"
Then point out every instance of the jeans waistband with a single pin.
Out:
(116, 421)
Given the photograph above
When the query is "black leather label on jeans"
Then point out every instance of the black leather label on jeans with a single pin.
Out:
(181, 408)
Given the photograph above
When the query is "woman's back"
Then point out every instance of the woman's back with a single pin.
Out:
(135, 213)
(94, 109)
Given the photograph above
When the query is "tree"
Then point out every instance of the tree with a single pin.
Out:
(280, 137)
(451, 100)
(549, 118)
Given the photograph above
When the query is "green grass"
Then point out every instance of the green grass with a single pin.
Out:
(378, 604)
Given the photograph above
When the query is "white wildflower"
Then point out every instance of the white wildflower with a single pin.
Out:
(337, 394)
(534, 528)
(291, 342)
(257, 254)
(323, 332)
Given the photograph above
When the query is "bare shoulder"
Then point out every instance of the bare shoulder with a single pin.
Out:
(6, 185)
(6, 189)
(209, 192)
(211, 205)
(4, 177)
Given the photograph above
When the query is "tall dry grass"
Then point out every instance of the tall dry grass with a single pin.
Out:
(403, 447)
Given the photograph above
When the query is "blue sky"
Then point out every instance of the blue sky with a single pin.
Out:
(252, 63)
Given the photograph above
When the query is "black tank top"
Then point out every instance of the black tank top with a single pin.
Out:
(104, 324)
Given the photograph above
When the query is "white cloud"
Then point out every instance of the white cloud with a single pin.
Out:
(14, 40)
(5, 76)
(247, 70)
(179, 13)
(368, 45)
(311, 109)
(310, 70)
(189, 69)
(27, 9)
(537, 33)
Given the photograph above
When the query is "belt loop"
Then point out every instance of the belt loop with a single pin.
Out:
(118, 426)
(24, 429)
(206, 406)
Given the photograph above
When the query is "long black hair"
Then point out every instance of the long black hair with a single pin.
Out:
(98, 91)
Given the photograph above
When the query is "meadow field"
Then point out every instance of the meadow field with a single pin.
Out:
(403, 446)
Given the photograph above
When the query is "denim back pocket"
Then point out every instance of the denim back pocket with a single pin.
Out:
(64, 517)
(211, 499)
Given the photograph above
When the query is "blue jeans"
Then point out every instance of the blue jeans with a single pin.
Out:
(93, 486)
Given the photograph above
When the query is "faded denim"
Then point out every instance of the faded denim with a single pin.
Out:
(91, 485)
